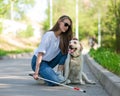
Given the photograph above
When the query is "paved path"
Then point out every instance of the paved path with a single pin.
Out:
(14, 81)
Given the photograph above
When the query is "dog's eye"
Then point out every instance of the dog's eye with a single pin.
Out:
(75, 42)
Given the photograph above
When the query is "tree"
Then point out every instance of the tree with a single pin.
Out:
(87, 18)
(116, 11)
(112, 24)
(4, 9)
(16, 7)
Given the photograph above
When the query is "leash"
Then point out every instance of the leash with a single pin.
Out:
(71, 87)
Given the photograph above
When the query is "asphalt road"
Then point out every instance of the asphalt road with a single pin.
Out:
(14, 81)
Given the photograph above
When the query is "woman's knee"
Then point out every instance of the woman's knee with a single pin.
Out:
(49, 73)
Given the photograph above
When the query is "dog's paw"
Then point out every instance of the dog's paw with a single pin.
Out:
(82, 82)
(91, 82)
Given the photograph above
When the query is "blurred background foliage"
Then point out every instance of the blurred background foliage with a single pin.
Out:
(89, 13)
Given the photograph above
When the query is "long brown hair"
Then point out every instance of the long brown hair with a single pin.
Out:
(65, 37)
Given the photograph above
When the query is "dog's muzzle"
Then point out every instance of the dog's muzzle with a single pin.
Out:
(71, 49)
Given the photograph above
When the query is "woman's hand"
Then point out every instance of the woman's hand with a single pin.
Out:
(39, 59)
(35, 76)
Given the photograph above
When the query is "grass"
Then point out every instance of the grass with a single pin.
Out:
(17, 51)
(107, 58)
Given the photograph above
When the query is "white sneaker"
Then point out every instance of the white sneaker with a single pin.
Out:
(67, 82)
(60, 76)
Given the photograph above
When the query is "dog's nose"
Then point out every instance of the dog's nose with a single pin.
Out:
(70, 46)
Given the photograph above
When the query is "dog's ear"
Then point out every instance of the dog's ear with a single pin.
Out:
(81, 47)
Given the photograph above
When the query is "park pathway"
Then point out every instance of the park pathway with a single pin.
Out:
(14, 81)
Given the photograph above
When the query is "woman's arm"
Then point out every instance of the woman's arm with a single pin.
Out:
(39, 59)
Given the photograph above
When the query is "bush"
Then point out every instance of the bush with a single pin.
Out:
(107, 58)
(2, 52)
(17, 51)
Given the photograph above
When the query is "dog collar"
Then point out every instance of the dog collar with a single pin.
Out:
(74, 56)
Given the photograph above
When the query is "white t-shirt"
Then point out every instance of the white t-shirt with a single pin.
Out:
(49, 46)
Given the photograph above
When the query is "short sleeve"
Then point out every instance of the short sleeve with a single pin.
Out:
(44, 44)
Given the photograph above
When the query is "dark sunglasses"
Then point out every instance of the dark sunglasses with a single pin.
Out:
(66, 24)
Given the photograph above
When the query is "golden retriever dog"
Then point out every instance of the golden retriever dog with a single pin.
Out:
(73, 71)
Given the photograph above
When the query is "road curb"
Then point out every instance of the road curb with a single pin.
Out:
(109, 81)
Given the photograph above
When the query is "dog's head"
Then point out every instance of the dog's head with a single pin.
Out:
(75, 47)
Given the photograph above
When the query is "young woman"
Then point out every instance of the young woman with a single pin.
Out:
(53, 50)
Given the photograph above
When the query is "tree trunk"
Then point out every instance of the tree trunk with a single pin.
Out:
(117, 16)
(118, 38)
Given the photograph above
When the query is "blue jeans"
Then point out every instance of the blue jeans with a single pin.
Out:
(46, 68)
